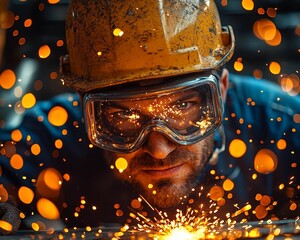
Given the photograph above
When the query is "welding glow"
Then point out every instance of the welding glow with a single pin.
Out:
(184, 234)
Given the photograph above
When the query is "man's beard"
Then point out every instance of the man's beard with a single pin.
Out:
(166, 192)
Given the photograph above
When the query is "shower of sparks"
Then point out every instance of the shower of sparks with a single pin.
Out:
(193, 224)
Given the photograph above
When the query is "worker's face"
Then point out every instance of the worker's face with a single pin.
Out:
(164, 172)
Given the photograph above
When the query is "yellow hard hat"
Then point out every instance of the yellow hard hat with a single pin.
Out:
(112, 42)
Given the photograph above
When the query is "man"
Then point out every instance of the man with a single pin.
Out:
(156, 129)
(152, 83)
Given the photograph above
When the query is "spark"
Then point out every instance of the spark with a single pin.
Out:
(244, 209)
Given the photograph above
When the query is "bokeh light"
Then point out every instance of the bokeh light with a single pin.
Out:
(228, 185)
(6, 226)
(267, 31)
(47, 209)
(293, 206)
(7, 79)
(58, 143)
(264, 29)
(7, 19)
(216, 192)
(121, 164)
(16, 161)
(265, 200)
(290, 84)
(35, 149)
(44, 51)
(248, 4)
(271, 12)
(49, 183)
(258, 74)
(237, 148)
(59, 43)
(16, 135)
(28, 100)
(3, 193)
(57, 116)
(261, 212)
(281, 144)
(18, 91)
(265, 161)
(26, 195)
(35, 226)
(238, 65)
(275, 67)
(38, 85)
(118, 32)
(27, 22)
(53, 179)
(276, 41)
(296, 118)
(135, 203)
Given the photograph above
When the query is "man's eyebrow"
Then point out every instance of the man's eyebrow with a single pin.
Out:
(186, 96)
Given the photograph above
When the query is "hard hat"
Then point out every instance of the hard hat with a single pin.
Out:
(112, 42)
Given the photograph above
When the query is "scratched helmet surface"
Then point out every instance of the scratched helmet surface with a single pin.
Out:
(112, 42)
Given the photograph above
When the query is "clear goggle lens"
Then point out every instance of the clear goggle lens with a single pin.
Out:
(185, 111)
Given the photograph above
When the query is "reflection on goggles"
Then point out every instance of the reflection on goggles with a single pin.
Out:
(186, 111)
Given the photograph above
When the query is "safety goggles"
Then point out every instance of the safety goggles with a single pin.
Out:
(185, 109)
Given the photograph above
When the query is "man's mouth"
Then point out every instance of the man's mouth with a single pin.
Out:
(163, 172)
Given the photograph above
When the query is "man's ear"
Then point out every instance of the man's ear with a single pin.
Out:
(224, 83)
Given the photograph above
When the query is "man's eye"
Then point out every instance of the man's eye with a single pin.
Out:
(184, 105)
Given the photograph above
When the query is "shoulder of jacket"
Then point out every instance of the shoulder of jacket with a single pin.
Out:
(262, 93)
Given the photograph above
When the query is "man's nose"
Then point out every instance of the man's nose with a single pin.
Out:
(158, 146)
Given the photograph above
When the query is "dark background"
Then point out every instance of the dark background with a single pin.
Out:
(48, 27)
